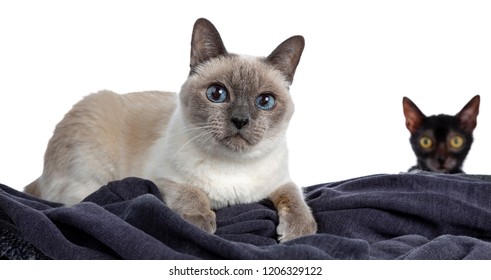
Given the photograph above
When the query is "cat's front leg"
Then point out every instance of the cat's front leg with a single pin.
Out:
(295, 217)
(189, 202)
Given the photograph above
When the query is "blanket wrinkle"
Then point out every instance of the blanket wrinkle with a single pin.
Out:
(383, 216)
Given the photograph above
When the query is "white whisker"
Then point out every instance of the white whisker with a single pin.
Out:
(211, 136)
(190, 129)
(194, 138)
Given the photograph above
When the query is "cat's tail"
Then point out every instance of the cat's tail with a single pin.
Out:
(33, 188)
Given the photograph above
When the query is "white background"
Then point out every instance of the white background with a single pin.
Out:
(361, 58)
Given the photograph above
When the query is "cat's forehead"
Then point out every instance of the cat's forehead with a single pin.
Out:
(441, 125)
(441, 121)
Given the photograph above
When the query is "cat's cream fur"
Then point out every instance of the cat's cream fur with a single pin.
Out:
(190, 147)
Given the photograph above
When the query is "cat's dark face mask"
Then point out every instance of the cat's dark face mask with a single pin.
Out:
(442, 146)
(240, 105)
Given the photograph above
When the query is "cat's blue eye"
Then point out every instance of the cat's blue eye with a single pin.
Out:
(265, 101)
(217, 93)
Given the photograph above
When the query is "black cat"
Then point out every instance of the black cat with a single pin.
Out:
(441, 142)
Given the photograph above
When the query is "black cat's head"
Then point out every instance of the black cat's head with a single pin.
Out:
(441, 142)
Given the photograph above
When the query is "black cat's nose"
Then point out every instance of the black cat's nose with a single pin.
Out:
(441, 160)
(239, 121)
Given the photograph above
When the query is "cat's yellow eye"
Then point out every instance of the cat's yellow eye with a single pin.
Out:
(456, 142)
(425, 142)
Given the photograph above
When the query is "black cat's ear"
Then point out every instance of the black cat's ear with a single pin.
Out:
(468, 115)
(287, 55)
(414, 117)
(206, 43)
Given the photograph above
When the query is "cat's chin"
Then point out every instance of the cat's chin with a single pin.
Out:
(237, 143)
(446, 167)
(239, 147)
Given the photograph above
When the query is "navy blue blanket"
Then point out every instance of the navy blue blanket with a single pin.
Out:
(403, 216)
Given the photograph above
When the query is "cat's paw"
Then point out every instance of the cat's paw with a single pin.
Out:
(293, 225)
(189, 202)
(206, 220)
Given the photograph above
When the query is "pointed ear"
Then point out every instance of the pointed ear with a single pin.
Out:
(287, 55)
(468, 114)
(414, 117)
(206, 43)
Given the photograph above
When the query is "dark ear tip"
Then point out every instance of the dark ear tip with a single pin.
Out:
(201, 21)
(474, 102)
(298, 40)
(477, 98)
(406, 101)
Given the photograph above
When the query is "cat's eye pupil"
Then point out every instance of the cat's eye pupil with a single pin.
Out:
(456, 142)
(265, 101)
(217, 93)
(425, 142)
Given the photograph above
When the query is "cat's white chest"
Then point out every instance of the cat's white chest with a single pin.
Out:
(226, 182)
(233, 183)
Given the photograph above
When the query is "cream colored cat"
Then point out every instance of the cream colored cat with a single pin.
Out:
(220, 142)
